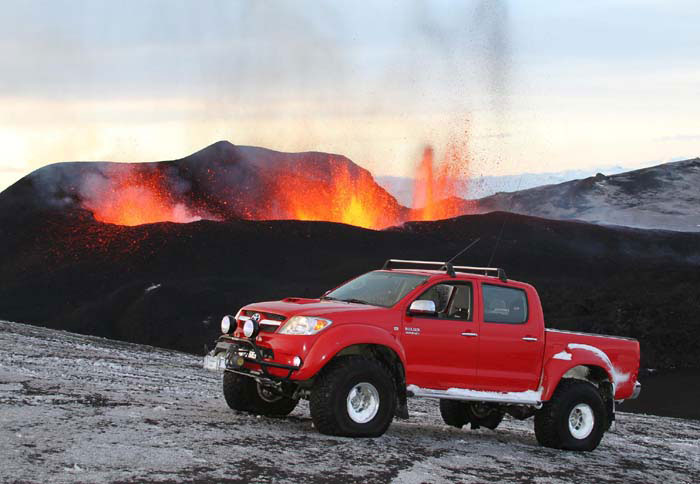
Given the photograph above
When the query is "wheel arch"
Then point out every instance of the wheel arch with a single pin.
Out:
(588, 369)
(339, 339)
(390, 360)
(370, 341)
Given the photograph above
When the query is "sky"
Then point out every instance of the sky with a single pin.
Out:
(520, 86)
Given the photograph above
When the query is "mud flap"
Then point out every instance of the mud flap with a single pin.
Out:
(609, 399)
(401, 405)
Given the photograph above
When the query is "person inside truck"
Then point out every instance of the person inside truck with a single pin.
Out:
(460, 306)
(451, 300)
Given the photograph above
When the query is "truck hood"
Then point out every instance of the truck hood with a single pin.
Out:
(314, 307)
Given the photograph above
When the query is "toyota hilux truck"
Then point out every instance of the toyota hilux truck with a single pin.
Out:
(466, 336)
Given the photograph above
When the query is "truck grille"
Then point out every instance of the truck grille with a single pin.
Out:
(268, 323)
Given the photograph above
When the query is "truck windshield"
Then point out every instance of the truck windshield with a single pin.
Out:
(377, 288)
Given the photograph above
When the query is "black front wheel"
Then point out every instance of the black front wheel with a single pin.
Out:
(354, 396)
(245, 394)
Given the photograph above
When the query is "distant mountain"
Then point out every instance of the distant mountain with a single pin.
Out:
(665, 196)
(483, 186)
(226, 182)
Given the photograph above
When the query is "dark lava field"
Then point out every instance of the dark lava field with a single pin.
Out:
(168, 284)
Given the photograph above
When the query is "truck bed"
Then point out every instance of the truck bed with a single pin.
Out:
(619, 354)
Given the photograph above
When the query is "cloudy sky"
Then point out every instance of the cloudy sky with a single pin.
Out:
(531, 86)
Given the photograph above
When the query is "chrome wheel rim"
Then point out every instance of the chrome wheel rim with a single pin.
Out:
(581, 421)
(363, 402)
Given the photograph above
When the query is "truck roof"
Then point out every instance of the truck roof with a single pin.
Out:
(459, 275)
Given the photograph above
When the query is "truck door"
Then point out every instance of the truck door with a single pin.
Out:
(442, 348)
(511, 340)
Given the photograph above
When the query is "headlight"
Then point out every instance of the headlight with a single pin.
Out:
(305, 325)
(227, 323)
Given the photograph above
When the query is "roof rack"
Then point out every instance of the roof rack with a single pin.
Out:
(447, 267)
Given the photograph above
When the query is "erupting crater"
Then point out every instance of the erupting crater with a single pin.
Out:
(336, 197)
(228, 182)
(135, 197)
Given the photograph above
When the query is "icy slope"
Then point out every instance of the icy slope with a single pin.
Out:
(660, 197)
(82, 409)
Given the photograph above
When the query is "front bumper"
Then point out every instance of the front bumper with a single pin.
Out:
(243, 356)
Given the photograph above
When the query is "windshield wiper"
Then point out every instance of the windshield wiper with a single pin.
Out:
(357, 301)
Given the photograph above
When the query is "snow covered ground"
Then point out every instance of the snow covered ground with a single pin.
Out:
(82, 409)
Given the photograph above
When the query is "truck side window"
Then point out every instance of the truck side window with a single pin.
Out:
(504, 304)
(452, 301)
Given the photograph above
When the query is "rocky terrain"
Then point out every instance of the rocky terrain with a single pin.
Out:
(81, 409)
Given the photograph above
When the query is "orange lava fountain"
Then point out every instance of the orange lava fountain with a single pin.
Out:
(136, 198)
(319, 189)
(354, 200)
(435, 194)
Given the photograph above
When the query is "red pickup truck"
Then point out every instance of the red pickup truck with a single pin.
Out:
(467, 336)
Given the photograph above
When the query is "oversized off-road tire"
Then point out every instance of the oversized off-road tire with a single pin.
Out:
(454, 413)
(482, 415)
(573, 419)
(457, 414)
(245, 394)
(353, 396)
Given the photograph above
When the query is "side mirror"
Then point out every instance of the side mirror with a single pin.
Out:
(422, 306)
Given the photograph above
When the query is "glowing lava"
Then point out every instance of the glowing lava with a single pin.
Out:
(339, 197)
(435, 193)
(329, 189)
(135, 198)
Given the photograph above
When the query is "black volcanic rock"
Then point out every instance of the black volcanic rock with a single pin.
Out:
(168, 284)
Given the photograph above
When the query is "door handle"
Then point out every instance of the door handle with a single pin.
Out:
(529, 338)
(470, 334)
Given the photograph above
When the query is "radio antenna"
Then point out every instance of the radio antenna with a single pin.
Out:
(463, 251)
(505, 217)
(498, 240)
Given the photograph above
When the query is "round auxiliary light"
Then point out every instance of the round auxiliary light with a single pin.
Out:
(250, 328)
(234, 360)
(296, 361)
(226, 324)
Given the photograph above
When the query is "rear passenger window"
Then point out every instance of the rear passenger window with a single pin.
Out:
(504, 304)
